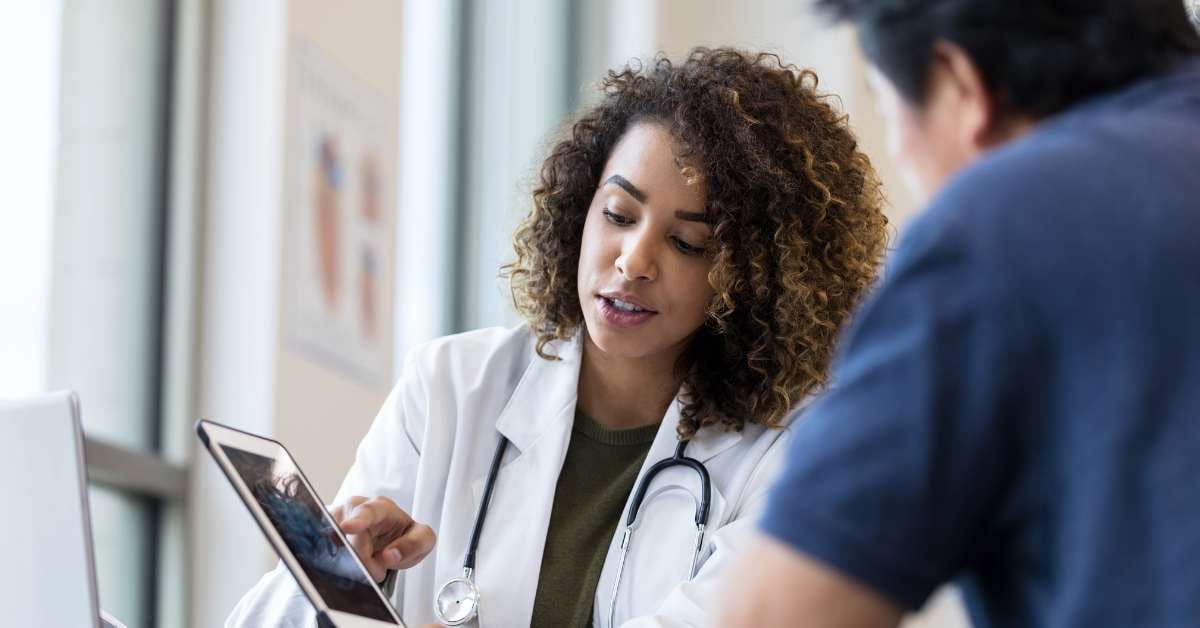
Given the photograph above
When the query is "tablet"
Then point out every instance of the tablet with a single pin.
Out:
(303, 533)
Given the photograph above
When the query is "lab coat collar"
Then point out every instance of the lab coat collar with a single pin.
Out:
(709, 442)
(542, 396)
(549, 388)
(704, 445)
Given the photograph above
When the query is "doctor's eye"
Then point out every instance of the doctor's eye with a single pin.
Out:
(617, 219)
(686, 248)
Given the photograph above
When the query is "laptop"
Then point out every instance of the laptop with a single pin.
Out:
(49, 578)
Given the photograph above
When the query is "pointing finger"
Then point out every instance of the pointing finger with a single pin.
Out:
(360, 519)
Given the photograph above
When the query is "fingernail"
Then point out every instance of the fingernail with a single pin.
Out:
(394, 554)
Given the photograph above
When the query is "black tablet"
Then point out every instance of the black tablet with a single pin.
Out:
(303, 533)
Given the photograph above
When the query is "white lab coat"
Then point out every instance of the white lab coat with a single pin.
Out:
(430, 447)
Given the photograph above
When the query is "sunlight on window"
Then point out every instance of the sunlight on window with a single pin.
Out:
(29, 46)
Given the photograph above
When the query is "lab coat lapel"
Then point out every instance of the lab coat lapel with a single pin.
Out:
(537, 422)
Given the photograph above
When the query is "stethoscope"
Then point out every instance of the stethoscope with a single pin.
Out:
(457, 601)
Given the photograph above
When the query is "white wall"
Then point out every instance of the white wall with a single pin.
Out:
(240, 281)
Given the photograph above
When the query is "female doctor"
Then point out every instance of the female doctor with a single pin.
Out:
(693, 248)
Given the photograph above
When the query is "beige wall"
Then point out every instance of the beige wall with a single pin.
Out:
(320, 413)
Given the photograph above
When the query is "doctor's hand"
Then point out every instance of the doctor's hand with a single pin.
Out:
(384, 536)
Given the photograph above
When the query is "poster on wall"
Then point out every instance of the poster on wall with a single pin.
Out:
(335, 222)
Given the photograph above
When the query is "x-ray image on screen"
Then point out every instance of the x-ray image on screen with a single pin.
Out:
(299, 519)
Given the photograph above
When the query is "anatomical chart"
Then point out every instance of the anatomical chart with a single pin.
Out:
(338, 209)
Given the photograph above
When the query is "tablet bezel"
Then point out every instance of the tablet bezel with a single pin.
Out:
(213, 434)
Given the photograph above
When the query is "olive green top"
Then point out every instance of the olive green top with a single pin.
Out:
(596, 479)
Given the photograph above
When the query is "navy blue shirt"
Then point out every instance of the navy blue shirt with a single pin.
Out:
(1017, 407)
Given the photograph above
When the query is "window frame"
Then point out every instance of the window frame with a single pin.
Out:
(160, 475)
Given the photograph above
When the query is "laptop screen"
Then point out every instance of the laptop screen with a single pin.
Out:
(45, 534)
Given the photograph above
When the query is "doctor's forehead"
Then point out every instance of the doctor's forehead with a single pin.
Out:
(645, 163)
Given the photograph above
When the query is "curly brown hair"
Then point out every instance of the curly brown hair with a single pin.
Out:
(796, 209)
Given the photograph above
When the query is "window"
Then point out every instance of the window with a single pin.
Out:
(99, 264)
(509, 51)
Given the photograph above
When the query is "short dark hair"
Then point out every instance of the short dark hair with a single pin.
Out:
(1038, 57)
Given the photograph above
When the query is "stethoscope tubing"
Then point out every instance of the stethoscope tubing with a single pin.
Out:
(679, 459)
(477, 530)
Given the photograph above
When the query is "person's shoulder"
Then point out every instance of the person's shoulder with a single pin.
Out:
(471, 355)
(476, 341)
(1102, 150)
(1011, 206)
(760, 441)
(481, 358)
(1030, 171)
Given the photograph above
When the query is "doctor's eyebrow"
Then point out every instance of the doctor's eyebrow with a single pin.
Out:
(693, 216)
(624, 184)
(640, 196)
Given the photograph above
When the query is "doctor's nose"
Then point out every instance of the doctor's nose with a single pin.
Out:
(638, 261)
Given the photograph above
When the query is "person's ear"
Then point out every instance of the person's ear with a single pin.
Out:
(979, 126)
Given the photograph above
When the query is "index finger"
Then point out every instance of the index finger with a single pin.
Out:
(341, 510)
(362, 517)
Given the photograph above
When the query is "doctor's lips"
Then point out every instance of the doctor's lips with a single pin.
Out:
(623, 309)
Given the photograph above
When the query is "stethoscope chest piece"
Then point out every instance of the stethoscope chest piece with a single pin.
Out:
(457, 601)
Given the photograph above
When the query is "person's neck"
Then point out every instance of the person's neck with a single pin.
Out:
(1008, 129)
(624, 393)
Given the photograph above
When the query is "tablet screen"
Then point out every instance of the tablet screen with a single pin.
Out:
(309, 534)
